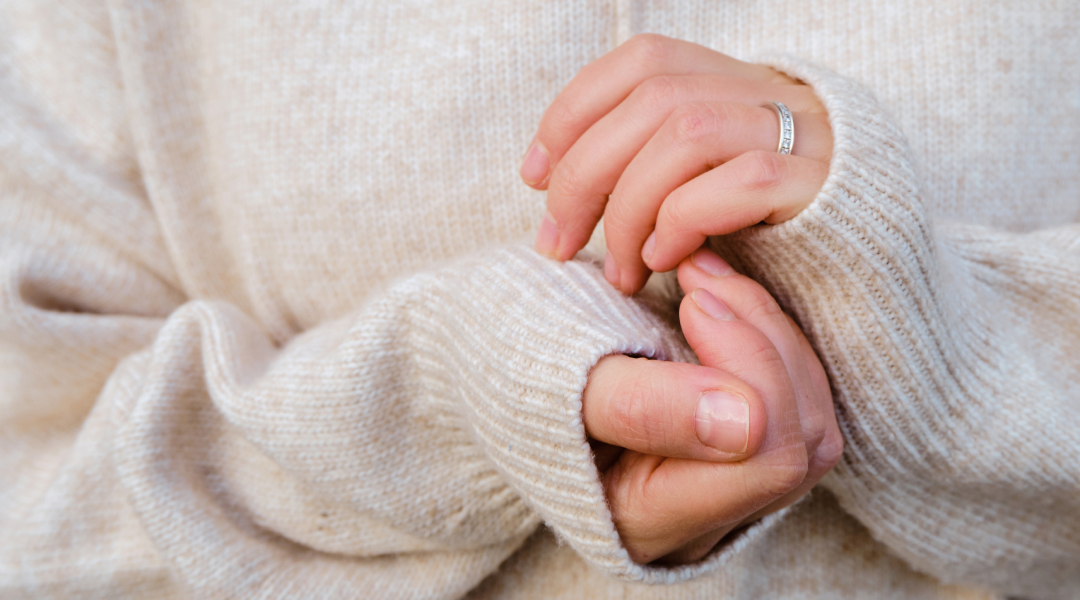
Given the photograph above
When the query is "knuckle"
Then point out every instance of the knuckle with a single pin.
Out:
(672, 212)
(565, 114)
(814, 434)
(568, 181)
(831, 449)
(657, 94)
(631, 490)
(766, 357)
(694, 122)
(763, 307)
(758, 357)
(619, 221)
(617, 489)
(631, 407)
(650, 49)
(652, 496)
(761, 170)
(689, 127)
(623, 493)
(786, 474)
(583, 215)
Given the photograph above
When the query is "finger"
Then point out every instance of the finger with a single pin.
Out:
(695, 138)
(823, 391)
(672, 409)
(647, 485)
(754, 187)
(604, 83)
(825, 457)
(660, 504)
(738, 347)
(755, 305)
(581, 180)
(752, 302)
(830, 450)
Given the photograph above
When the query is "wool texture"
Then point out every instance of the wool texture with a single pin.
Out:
(268, 328)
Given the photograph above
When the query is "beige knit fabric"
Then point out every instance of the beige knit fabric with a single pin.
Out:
(267, 329)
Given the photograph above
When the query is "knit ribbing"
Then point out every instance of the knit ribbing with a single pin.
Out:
(415, 414)
(924, 331)
(228, 234)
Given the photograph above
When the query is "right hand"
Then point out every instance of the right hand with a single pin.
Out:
(706, 449)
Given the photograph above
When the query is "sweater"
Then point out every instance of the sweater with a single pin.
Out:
(269, 329)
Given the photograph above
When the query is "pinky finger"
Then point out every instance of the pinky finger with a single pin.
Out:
(753, 187)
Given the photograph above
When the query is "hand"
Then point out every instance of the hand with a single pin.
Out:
(670, 143)
(710, 448)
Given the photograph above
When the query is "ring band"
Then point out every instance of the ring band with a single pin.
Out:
(787, 127)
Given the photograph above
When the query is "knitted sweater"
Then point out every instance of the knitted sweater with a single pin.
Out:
(268, 330)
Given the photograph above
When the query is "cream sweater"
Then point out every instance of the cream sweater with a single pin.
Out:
(267, 329)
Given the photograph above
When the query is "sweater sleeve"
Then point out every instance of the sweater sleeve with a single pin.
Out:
(153, 443)
(954, 355)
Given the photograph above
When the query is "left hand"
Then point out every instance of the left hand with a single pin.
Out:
(670, 143)
(671, 496)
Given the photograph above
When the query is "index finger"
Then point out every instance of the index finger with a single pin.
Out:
(601, 85)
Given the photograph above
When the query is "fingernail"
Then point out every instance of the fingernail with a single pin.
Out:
(547, 239)
(534, 167)
(611, 270)
(708, 261)
(723, 421)
(650, 246)
(711, 305)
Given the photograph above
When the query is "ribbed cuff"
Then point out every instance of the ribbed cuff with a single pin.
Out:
(931, 352)
(866, 231)
(541, 326)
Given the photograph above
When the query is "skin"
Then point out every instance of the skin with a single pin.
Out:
(669, 143)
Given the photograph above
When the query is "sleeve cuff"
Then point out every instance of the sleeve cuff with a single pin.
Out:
(539, 326)
(866, 233)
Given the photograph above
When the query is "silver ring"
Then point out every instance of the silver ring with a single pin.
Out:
(787, 127)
